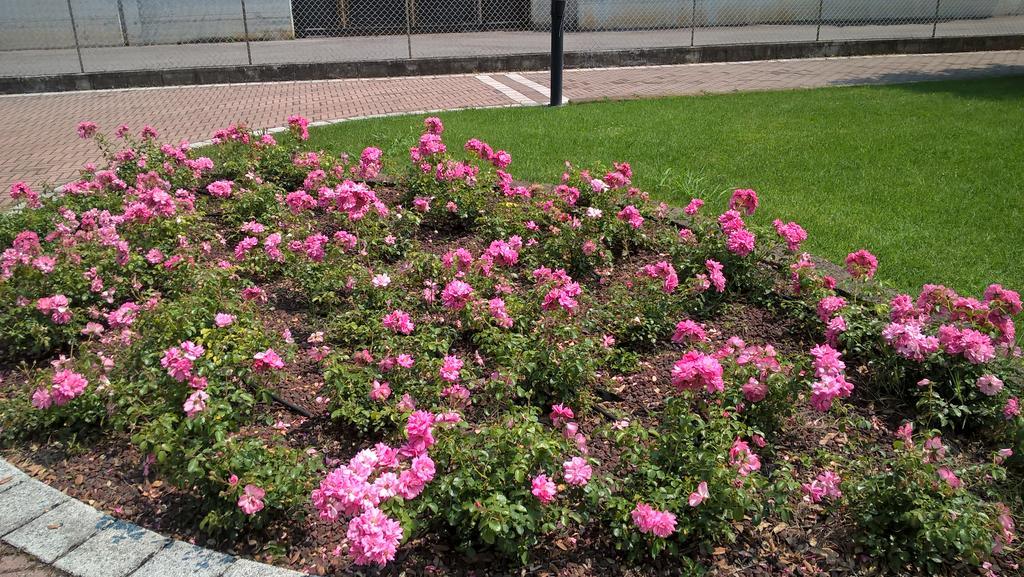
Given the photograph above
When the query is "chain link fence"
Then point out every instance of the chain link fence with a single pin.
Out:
(43, 37)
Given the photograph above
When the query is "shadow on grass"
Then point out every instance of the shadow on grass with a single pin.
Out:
(1004, 82)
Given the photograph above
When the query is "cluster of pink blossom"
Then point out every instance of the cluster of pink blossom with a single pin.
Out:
(790, 232)
(564, 292)
(975, 346)
(947, 475)
(496, 306)
(1007, 529)
(740, 242)
(505, 253)
(631, 214)
(87, 129)
(825, 485)
(975, 329)
(577, 471)
(715, 274)
(251, 500)
(21, 190)
(451, 367)
(299, 126)
(689, 331)
(267, 360)
(220, 188)
(355, 199)
(399, 321)
(543, 488)
(179, 360)
(909, 340)
(666, 272)
(65, 385)
(456, 295)
(373, 476)
(654, 522)
(745, 200)
(374, 537)
(499, 159)
(830, 378)
(730, 221)
(369, 163)
(861, 264)
(195, 403)
(24, 249)
(695, 370)
(829, 306)
(744, 459)
(694, 206)
(57, 306)
(620, 177)
(828, 309)
(761, 358)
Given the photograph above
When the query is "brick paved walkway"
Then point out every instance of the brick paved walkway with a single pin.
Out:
(37, 132)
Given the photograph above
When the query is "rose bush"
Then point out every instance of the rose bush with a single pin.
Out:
(500, 365)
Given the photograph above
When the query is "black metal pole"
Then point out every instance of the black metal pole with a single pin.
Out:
(557, 50)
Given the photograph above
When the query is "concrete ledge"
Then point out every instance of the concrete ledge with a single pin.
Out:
(57, 532)
(26, 501)
(84, 542)
(482, 64)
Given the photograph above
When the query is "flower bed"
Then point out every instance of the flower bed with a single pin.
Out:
(275, 351)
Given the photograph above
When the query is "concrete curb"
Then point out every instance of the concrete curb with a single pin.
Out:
(78, 539)
(507, 63)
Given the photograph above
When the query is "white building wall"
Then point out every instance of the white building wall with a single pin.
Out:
(624, 14)
(27, 24)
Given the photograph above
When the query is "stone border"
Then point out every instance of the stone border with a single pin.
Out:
(77, 539)
(507, 63)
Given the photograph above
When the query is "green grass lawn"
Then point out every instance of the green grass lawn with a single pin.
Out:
(929, 177)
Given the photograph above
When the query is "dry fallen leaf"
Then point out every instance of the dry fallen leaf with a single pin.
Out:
(54, 525)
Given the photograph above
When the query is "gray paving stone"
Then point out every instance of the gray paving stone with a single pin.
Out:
(10, 475)
(184, 559)
(8, 481)
(247, 568)
(26, 501)
(115, 551)
(57, 532)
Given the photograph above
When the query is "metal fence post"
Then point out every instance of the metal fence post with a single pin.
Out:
(121, 21)
(935, 22)
(408, 26)
(245, 27)
(817, 35)
(74, 30)
(693, 21)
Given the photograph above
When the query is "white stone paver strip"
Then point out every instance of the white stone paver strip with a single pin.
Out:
(26, 501)
(57, 532)
(116, 551)
(180, 558)
(246, 568)
(78, 539)
(10, 475)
